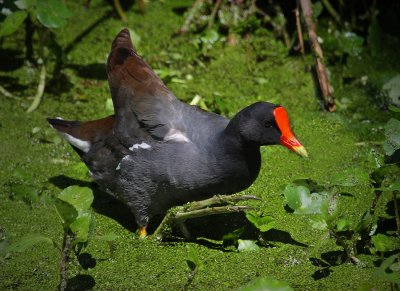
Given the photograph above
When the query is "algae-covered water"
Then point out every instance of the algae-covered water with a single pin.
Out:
(348, 139)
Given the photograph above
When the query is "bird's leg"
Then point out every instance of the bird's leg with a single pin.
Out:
(142, 232)
(180, 214)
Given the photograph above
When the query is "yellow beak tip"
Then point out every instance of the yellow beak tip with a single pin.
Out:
(301, 151)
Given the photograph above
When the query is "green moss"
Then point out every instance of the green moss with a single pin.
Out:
(331, 140)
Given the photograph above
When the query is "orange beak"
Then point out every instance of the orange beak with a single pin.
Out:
(288, 139)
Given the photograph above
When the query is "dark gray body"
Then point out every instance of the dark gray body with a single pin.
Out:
(151, 180)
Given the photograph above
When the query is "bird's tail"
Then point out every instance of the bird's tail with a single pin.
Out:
(81, 135)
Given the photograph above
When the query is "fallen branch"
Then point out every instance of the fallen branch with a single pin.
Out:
(323, 79)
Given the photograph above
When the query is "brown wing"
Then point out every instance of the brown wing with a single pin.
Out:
(142, 103)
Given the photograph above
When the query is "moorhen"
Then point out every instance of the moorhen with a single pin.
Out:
(157, 152)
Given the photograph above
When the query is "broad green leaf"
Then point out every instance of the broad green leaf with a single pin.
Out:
(24, 4)
(267, 284)
(247, 245)
(12, 22)
(342, 224)
(80, 227)
(27, 242)
(384, 243)
(392, 133)
(26, 193)
(319, 223)
(392, 88)
(351, 43)
(263, 223)
(80, 198)
(387, 271)
(317, 9)
(394, 187)
(67, 212)
(302, 201)
(52, 13)
(351, 177)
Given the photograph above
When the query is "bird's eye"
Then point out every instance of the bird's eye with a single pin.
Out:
(268, 124)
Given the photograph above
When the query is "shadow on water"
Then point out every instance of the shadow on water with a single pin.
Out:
(81, 282)
(91, 71)
(103, 203)
(213, 227)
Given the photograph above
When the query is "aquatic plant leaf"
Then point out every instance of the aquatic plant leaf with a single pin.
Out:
(392, 133)
(302, 201)
(26, 193)
(53, 13)
(384, 243)
(392, 88)
(81, 227)
(67, 212)
(385, 271)
(267, 284)
(342, 224)
(351, 43)
(12, 22)
(317, 9)
(27, 242)
(351, 177)
(193, 259)
(247, 245)
(263, 223)
(393, 187)
(80, 198)
(319, 223)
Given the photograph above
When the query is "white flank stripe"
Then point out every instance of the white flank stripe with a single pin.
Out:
(142, 145)
(176, 135)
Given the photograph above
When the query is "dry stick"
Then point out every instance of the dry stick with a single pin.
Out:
(299, 30)
(40, 89)
(213, 13)
(396, 213)
(120, 11)
(192, 12)
(323, 79)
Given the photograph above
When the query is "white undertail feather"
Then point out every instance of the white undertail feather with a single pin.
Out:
(83, 145)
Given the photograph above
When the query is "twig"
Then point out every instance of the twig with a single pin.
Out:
(299, 30)
(40, 89)
(323, 79)
(396, 213)
(67, 241)
(332, 11)
(213, 13)
(192, 12)
(120, 11)
(4, 92)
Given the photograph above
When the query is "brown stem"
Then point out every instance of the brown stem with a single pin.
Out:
(299, 30)
(396, 213)
(67, 242)
(323, 79)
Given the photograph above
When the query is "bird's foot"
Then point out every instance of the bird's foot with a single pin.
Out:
(218, 204)
(142, 232)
